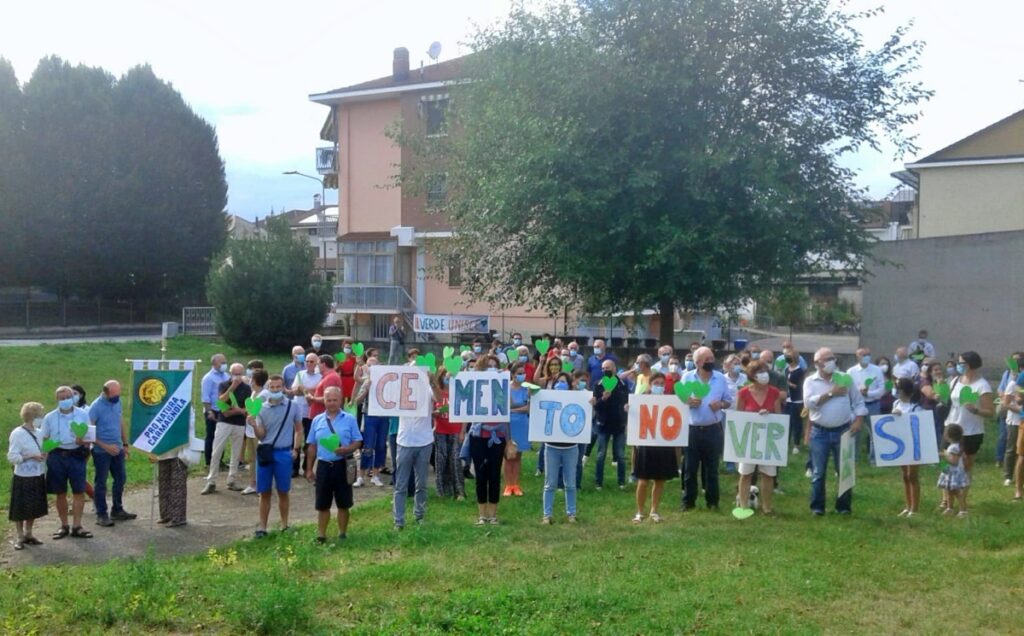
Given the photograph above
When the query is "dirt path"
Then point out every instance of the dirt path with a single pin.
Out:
(213, 520)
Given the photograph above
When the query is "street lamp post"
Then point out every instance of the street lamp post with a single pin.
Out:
(321, 214)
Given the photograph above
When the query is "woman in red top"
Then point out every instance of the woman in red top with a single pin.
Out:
(447, 444)
(758, 397)
(347, 370)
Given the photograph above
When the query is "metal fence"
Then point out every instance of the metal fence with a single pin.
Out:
(41, 314)
(198, 321)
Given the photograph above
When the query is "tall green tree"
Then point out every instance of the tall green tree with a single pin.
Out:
(266, 292)
(12, 173)
(616, 155)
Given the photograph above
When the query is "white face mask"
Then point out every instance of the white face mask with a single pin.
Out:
(762, 378)
(884, 367)
(829, 367)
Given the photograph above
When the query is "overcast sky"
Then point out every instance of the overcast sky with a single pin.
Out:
(248, 67)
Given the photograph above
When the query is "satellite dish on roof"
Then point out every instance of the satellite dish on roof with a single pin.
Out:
(434, 51)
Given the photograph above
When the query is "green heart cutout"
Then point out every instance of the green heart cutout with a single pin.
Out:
(465, 348)
(79, 428)
(447, 352)
(339, 357)
(49, 445)
(453, 366)
(780, 364)
(350, 408)
(567, 367)
(331, 442)
(942, 390)
(443, 409)
(254, 406)
(1011, 364)
(358, 349)
(683, 390)
(888, 385)
(868, 381)
(531, 386)
(427, 361)
(609, 384)
(543, 345)
(222, 406)
(842, 379)
(700, 389)
(742, 513)
(968, 396)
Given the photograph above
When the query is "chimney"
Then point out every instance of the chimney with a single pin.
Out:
(400, 66)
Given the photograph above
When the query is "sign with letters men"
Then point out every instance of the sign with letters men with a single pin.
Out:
(479, 396)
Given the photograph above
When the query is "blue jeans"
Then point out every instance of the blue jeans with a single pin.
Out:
(579, 465)
(702, 455)
(375, 442)
(1001, 442)
(560, 460)
(825, 442)
(106, 464)
(618, 453)
(411, 458)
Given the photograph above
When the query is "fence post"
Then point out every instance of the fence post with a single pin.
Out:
(28, 317)
(99, 318)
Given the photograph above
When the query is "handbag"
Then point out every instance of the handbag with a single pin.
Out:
(350, 463)
(265, 452)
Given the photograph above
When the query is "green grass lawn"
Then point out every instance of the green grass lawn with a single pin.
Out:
(696, 572)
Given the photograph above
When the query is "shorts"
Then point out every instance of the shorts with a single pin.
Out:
(972, 443)
(332, 485)
(748, 469)
(280, 472)
(62, 469)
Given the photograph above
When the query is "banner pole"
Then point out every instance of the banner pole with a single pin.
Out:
(152, 499)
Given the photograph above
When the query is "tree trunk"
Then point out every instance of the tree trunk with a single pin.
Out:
(666, 308)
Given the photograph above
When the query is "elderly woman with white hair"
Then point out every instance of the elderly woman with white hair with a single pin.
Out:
(28, 487)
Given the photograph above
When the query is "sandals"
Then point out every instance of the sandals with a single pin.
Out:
(30, 540)
(638, 518)
(63, 532)
(79, 533)
(19, 545)
(655, 517)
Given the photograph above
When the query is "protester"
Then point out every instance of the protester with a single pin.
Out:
(706, 436)
(448, 438)
(833, 410)
(930, 398)
(546, 376)
(487, 449)
(610, 409)
(775, 376)
(346, 368)
(279, 426)
(172, 488)
(921, 348)
(292, 369)
(1015, 359)
(904, 367)
(955, 480)
(217, 375)
(970, 414)
(733, 370)
(795, 401)
(869, 380)
(258, 378)
(230, 428)
(331, 466)
(654, 465)
(886, 401)
(519, 429)
(1012, 421)
(415, 444)
(65, 465)
(788, 351)
(316, 342)
(396, 340)
(375, 436)
(1016, 405)
(560, 462)
(109, 454)
(28, 485)
(79, 395)
(762, 398)
(575, 358)
(329, 378)
(595, 363)
(909, 401)
(306, 381)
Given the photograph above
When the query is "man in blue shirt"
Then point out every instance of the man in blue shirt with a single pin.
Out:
(109, 454)
(330, 478)
(292, 369)
(706, 435)
(209, 393)
(595, 361)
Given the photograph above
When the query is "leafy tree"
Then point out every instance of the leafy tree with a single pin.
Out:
(615, 155)
(12, 176)
(265, 290)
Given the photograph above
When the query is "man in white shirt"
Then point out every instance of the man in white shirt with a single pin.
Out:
(869, 380)
(921, 348)
(664, 355)
(65, 465)
(833, 410)
(415, 441)
(903, 366)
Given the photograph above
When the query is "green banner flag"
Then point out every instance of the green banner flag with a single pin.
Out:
(161, 410)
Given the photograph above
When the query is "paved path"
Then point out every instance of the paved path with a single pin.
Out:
(213, 520)
(31, 342)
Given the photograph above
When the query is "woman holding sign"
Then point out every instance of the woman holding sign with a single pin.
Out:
(758, 397)
(519, 425)
(653, 464)
(908, 400)
(972, 402)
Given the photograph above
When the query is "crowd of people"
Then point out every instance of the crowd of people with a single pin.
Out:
(313, 426)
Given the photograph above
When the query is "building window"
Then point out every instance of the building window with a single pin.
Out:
(455, 275)
(368, 262)
(432, 111)
(311, 231)
(437, 191)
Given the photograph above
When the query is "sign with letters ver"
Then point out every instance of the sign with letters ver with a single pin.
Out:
(447, 323)
(479, 396)
(657, 420)
(847, 462)
(399, 392)
(905, 440)
(756, 439)
(561, 417)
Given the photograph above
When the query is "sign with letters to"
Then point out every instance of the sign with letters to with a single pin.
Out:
(756, 439)
(399, 392)
(479, 396)
(847, 462)
(657, 420)
(561, 417)
(905, 440)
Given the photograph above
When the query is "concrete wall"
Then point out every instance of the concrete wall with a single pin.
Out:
(967, 291)
(971, 200)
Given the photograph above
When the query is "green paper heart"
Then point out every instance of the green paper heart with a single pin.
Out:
(427, 361)
(222, 406)
(331, 442)
(780, 364)
(453, 366)
(942, 390)
(683, 390)
(700, 389)
(254, 406)
(543, 345)
(447, 352)
(443, 409)
(868, 382)
(79, 428)
(842, 379)
(888, 385)
(968, 396)
(350, 408)
(567, 367)
(339, 357)
(531, 386)
(609, 384)
(49, 445)
(465, 348)
(358, 348)
(742, 513)
(1011, 364)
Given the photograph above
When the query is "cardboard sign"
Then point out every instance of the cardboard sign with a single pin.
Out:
(657, 420)
(562, 417)
(756, 439)
(399, 392)
(905, 440)
(847, 463)
(479, 396)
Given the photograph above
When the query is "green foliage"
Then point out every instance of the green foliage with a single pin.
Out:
(690, 149)
(111, 187)
(265, 290)
(786, 304)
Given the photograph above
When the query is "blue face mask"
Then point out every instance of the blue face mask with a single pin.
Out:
(517, 341)
(520, 377)
(66, 403)
(561, 386)
(665, 358)
(447, 380)
(598, 352)
(961, 368)
(865, 360)
(300, 359)
(690, 366)
(658, 389)
(477, 349)
(572, 353)
(581, 386)
(248, 373)
(523, 358)
(275, 396)
(316, 344)
(736, 369)
(223, 368)
(348, 350)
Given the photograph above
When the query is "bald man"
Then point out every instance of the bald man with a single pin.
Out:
(230, 428)
(109, 453)
(706, 436)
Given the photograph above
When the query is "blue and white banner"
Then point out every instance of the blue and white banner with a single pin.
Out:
(449, 323)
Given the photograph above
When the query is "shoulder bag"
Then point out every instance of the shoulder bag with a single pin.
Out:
(350, 463)
(265, 452)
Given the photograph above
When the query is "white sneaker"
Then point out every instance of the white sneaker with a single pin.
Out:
(358, 483)
(796, 450)
(1007, 482)
(375, 480)
(249, 490)
(808, 474)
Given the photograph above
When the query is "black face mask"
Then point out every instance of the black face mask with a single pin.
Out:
(708, 366)
(608, 373)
